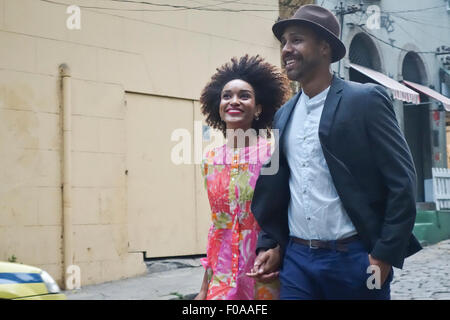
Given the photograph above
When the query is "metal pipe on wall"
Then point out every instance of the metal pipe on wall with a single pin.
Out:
(67, 231)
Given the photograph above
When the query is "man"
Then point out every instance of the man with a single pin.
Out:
(343, 198)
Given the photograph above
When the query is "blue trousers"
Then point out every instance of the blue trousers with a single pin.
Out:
(322, 274)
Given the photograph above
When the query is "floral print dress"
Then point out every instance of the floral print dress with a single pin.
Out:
(230, 177)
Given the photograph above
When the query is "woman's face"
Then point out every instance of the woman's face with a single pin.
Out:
(238, 105)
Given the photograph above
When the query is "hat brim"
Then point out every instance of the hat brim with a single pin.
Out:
(338, 48)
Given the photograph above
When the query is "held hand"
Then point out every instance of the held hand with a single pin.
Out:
(385, 268)
(266, 265)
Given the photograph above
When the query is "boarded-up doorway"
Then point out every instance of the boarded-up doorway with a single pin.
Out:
(167, 205)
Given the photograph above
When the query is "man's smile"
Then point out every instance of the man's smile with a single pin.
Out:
(290, 63)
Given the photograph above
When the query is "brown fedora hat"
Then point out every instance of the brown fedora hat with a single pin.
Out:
(320, 19)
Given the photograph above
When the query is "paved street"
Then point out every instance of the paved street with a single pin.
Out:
(424, 276)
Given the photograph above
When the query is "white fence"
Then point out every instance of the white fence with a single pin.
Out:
(441, 188)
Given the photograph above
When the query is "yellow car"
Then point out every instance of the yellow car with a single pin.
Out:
(18, 281)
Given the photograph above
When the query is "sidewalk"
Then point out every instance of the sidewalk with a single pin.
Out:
(425, 275)
(165, 280)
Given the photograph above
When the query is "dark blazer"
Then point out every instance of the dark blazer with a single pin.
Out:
(371, 167)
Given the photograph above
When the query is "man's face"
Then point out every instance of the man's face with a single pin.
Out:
(301, 52)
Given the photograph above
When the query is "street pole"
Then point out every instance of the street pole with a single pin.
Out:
(341, 16)
(341, 12)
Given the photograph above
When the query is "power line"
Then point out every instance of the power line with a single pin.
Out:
(431, 35)
(163, 25)
(404, 30)
(395, 14)
(337, 10)
(416, 10)
(239, 2)
(407, 20)
(420, 22)
(174, 7)
(205, 7)
(179, 6)
(250, 3)
(247, 12)
(392, 45)
(163, 5)
(323, 1)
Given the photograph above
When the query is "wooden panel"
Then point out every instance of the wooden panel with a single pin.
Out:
(161, 194)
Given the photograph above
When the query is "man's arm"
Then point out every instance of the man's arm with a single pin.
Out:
(393, 159)
(265, 242)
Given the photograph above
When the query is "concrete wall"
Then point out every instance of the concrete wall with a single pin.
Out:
(136, 75)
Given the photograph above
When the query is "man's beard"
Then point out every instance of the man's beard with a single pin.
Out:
(306, 69)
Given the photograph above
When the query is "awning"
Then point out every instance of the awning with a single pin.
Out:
(399, 91)
(430, 92)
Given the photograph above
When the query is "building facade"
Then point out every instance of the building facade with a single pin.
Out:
(90, 98)
(403, 41)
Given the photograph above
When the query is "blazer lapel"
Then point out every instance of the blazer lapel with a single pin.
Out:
(284, 117)
(330, 107)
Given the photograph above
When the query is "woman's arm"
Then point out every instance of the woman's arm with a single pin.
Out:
(204, 289)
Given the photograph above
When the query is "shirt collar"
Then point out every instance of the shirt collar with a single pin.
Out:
(316, 101)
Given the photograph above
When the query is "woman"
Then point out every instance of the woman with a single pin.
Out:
(243, 94)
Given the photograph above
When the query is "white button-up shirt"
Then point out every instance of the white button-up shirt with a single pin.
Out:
(315, 209)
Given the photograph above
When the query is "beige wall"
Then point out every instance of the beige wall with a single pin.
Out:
(136, 76)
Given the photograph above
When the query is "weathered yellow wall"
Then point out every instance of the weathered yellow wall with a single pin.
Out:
(136, 76)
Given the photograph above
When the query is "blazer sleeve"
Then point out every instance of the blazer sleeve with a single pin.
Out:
(394, 161)
(265, 242)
